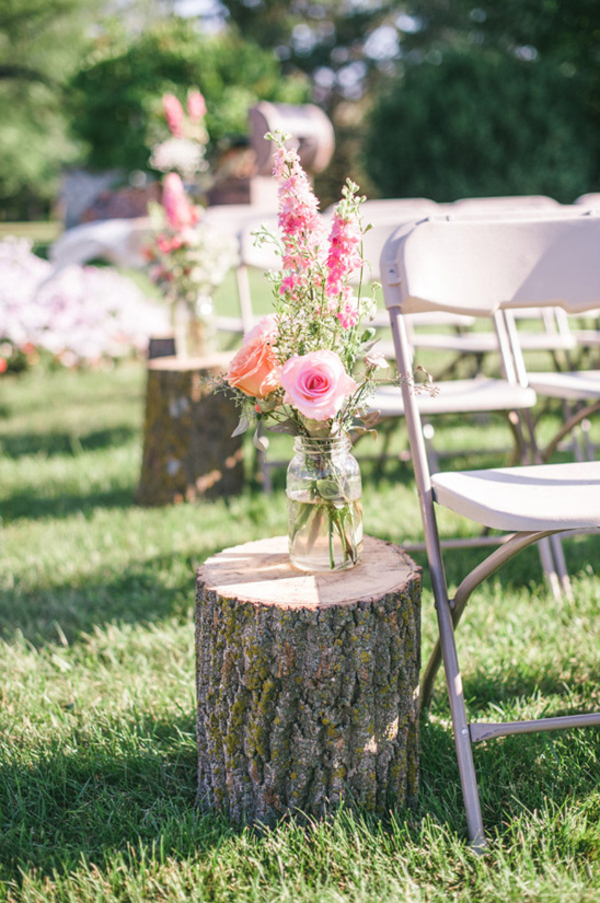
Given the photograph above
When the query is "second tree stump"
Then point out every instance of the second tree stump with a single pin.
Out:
(188, 449)
(307, 683)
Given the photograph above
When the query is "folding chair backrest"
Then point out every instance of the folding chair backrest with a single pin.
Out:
(262, 256)
(506, 202)
(480, 266)
(589, 200)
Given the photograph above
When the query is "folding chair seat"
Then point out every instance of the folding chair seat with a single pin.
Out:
(484, 268)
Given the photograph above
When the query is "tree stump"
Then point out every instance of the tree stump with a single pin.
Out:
(188, 449)
(307, 684)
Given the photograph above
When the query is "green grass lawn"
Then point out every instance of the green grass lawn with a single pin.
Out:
(97, 714)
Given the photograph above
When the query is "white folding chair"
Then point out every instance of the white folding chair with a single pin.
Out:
(238, 221)
(592, 199)
(552, 333)
(474, 396)
(578, 389)
(485, 267)
(505, 203)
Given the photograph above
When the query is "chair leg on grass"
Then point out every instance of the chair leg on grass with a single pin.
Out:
(512, 543)
(462, 737)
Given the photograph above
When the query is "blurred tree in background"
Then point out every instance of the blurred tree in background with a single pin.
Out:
(116, 102)
(493, 98)
(41, 42)
(482, 124)
(345, 47)
(442, 98)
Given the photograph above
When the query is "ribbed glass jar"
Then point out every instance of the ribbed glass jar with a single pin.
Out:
(324, 504)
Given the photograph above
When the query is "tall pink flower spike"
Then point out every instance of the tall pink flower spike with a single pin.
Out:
(174, 115)
(180, 212)
(196, 105)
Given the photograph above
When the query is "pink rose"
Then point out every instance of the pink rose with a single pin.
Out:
(255, 368)
(316, 384)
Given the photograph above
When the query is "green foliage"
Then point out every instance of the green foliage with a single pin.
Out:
(479, 123)
(116, 102)
(40, 45)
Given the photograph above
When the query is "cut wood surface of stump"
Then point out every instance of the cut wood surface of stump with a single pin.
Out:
(307, 684)
(189, 452)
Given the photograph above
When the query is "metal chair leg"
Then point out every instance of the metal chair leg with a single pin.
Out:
(462, 737)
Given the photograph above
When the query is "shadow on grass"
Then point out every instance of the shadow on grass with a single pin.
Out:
(129, 789)
(515, 775)
(484, 689)
(85, 796)
(582, 553)
(33, 507)
(65, 443)
(160, 587)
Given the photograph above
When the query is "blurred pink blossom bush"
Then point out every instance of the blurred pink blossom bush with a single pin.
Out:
(80, 315)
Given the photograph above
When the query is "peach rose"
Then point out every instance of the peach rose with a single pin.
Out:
(265, 329)
(316, 384)
(255, 369)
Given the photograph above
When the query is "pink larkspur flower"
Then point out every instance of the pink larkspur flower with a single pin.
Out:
(344, 257)
(348, 313)
(196, 105)
(174, 115)
(180, 212)
(316, 384)
(300, 222)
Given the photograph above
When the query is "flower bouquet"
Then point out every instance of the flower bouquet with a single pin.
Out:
(185, 149)
(309, 368)
(186, 260)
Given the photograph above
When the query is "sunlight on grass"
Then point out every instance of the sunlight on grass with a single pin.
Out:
(97, 722)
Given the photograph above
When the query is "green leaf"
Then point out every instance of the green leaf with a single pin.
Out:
(329, 489)
(242, 426)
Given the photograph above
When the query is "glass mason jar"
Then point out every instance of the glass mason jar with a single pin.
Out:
(324, 505)
(195, 335)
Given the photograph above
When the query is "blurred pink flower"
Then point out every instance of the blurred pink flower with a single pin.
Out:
(180, 212)
(196, 105)
(79, 313)
(174, 115)
(167, 243)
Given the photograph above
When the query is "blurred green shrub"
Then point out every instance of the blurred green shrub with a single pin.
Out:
(116, 102)
(480, 123)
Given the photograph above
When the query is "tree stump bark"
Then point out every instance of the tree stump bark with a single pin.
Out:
(188, 449)
(307, 684)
